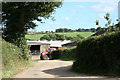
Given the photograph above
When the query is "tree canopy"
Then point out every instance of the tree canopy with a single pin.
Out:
(109, 25)
(52, 36)
(18, 17)
(76, 30)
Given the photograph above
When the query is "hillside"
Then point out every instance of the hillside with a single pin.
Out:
(70, 34)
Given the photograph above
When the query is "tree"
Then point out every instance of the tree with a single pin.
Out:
(18, 17)
(108, 25)
(53, 37)
(63, 30)
(77, 38)
(93, 29)
(59, 30)
(98, 29)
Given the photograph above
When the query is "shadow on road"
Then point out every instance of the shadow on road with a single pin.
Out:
(67, 72)
(61, 72)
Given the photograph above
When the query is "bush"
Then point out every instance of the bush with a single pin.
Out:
(52, 36)
(99, 55)
(17, 39)
(67, 54)
(22, 44)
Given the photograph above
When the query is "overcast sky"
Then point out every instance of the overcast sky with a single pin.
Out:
(80, 14)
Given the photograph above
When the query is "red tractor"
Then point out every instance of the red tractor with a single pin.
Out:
(46, 55)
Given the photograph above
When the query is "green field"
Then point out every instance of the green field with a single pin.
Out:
(70, 34)
(34, 36)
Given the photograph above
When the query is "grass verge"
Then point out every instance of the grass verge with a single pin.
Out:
(12, 61)
(9, 72)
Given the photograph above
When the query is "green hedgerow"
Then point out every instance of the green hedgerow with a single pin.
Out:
(99, 55)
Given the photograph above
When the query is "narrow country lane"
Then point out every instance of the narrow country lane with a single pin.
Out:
(53, 69)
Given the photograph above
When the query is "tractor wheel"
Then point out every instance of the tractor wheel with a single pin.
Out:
(50, 57)
(45, 57)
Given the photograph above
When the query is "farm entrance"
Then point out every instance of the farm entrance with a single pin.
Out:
(35, 49)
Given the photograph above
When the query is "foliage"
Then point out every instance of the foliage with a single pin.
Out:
(86, 30)
(18, 17)
(99, 55)
(63, 30)
(53, 37)
(69, 34)
(12, 60)
(66, 54)
(74, 34)
(109, 26)
(61, 37)
(77, 30)
(21, 43)
(76, 39)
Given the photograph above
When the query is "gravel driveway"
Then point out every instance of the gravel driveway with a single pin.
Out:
(53, 69)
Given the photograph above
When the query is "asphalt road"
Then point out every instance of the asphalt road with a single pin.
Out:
(55, 69)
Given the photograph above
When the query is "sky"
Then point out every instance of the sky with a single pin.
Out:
(80, 14)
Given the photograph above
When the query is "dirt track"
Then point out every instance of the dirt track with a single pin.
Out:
(53, 69)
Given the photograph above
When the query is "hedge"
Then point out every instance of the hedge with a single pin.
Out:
(99, 55)
(66, 54)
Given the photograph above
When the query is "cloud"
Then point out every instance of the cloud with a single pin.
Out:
(80, 6)
(73, 11)
(77, 6)
(101, 8)
(57, 23)
(101, 15)
(66, 18)
(77, 18)
(105, 7)
(53, 23)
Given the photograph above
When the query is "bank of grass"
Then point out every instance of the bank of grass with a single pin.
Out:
(12, 62)
(69, 34)
(10, 71)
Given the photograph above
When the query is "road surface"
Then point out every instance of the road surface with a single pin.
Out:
(53, 69)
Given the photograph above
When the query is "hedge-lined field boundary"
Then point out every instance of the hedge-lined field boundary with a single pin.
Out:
(99, 55)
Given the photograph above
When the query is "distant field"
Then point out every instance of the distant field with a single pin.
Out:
(70, 34)
(34, 36)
